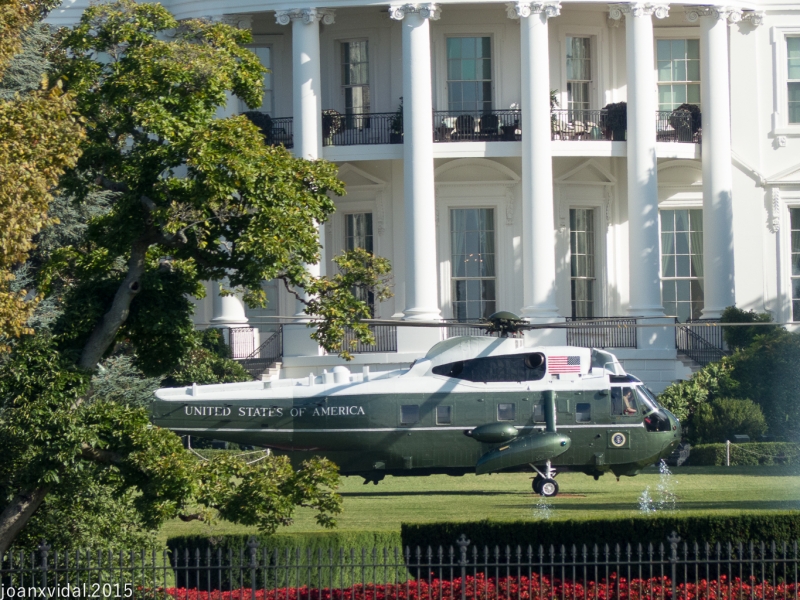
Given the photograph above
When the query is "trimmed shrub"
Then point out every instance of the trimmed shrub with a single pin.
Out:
(755, 453)
(742, 337)
(712, 381)
(723, 528)
(339, 549)
(722, 418)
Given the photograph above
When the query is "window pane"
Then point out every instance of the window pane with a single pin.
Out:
(583, 412)
(472, 243)
(444, 415)
(663, 50)
(667, 220)
(409, 414)
(693, 49)
(682, 262)
(506, 412)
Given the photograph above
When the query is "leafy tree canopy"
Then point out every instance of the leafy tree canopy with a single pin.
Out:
(186, 197)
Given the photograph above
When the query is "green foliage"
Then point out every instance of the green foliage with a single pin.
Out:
(119, 380)
(299, 548)
(712, 381)
(207, 362)
(779, 526)
(741, 337)
(753, 453)
(718, 420)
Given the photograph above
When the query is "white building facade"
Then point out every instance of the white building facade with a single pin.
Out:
(487, 196)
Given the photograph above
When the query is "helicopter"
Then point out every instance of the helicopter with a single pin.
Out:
(472, 404)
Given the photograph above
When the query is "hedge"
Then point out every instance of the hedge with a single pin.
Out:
(753, 453)
(338, 548)
(723, 528)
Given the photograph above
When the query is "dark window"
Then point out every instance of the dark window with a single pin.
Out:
(583, 412)
(538, 413)
(444, 415)
(409, 414)
(506, 412)
(623, 401)
(517, 367)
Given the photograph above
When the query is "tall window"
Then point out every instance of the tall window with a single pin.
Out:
(265, 57)
(682, 263)
(469, 74)
(678, 73)
(581, 264)
(358, 234)
(793, 75)
(355, 79)
(795, 215)
(473, 262)
(579, 72)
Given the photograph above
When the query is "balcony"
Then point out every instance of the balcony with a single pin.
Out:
(494, 126)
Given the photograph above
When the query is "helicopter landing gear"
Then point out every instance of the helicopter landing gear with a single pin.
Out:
(544, 483)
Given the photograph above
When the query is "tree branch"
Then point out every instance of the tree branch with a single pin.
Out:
(192, 517)
(17, 513)
(293, 292)
(104, 333)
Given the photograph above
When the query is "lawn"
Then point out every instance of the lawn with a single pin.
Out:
(508, 496)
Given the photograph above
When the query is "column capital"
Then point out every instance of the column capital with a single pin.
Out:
(524, 9)
(638, 9)
(426, 11)
(306, 15)
(724, 13)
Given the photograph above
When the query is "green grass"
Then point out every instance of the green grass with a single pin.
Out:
(399, 500)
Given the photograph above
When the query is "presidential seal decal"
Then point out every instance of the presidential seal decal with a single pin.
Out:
(618, 439)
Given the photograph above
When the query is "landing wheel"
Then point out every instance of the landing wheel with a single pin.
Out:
(537, 484)
(548, 488)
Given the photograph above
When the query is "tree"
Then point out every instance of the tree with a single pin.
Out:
(190, 198)
(38, 140)
(741, 337)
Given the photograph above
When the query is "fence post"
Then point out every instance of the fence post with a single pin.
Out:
(252, 546)
(727, 453)
(673, 540)
(463, 542)
(44, 549)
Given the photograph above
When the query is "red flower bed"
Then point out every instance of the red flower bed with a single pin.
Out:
(512, 588)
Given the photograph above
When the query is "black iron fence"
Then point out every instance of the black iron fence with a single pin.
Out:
(573, 124)
(675, 126)
(603, 332)
(488, 126)
(281, 132)
(701, 341)
(241, 341)
(385, 340)
(267, 354)
(357, 130)
(673, 570)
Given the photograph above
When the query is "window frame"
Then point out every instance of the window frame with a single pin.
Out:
(590, 96)
(449, 416)
(692, 36)
(494, 68)
(594, 212)
(600, 92)
(506, 405)
(662, 277)
(340, 62)
(404, 423)
(780, 109)
(272, 59)
(451, 278)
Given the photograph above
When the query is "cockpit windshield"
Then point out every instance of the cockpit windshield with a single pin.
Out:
(634, 402)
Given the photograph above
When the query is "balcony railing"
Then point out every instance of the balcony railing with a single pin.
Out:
(490, 126)
(700, 342)
(602, 332)
(266, 355)
(385, 340)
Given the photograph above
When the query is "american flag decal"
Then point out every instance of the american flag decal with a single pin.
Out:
(564, 364)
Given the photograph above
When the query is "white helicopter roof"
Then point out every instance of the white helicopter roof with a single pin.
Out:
(593, 368)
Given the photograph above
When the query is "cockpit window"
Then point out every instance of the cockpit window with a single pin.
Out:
(515, 367)
(623, 401)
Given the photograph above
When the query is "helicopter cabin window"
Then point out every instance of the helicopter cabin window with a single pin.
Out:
(409, 414)
(506, 412)
(444, 415)
(538, 412)
(583, 412)
(623, 401)
(508, 368)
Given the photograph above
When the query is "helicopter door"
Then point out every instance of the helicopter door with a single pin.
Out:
(624, 403)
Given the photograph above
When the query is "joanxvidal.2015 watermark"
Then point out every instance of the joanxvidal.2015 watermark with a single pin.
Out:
(85, 590)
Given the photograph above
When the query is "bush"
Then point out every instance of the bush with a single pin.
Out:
(712, 381)
(209, 361)
(754, 453)
(742, 337)
(339, 549)
(723, 528)
(722, 418)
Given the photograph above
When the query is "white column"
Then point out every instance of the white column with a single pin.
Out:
(538, 225)
(228, 311)
(422, 301)
(717, 171)
(306, 96)
(644, 259)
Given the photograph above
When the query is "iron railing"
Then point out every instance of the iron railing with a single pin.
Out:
(603, 332)
(675, 126)
(364, 129)
(487, 126)
(281, 132)
(700, 342)
(267, 354)
(674, 570)
(385, 340)
(573, 124)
